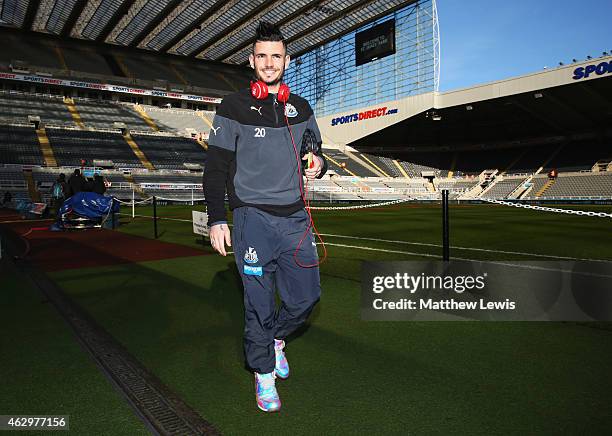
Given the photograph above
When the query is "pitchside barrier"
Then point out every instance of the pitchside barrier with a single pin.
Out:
(550, 288)
(155, 206)
(199, 227)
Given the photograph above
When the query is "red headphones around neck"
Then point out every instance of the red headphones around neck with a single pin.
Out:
(259, 90)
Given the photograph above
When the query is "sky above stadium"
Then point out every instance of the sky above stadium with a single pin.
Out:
(483, 40)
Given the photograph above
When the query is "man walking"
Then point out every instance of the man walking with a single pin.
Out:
(254, 153)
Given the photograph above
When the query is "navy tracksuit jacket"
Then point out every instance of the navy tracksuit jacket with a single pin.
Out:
(251, 156)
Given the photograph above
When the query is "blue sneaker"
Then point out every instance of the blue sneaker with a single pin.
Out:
(265, 392)
(282, 366)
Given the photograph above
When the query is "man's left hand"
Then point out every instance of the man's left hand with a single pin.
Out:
(317, 164)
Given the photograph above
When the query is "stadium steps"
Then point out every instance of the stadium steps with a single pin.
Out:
(45, 148)
(32, 191)
(362, 163)
(335, 162)
(145, 116)
(138, 152)
(379, 170)
(490, 186)
(521, 191)
(76, 117)
(401, 169)
(546, 187)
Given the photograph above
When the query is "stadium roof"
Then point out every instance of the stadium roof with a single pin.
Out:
(574, 111)
(549, 105)
(219, 30)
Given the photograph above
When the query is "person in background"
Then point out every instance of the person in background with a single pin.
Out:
(59, 191)
(8, 197)
(76, 182)
(98, 185)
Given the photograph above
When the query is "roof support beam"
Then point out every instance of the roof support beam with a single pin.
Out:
(347, 30)
(76, 12)
(119, 13)
(214, 8)
(287, 19)
(328, 20)
(218, 38)
(30, 14)
(154, 23)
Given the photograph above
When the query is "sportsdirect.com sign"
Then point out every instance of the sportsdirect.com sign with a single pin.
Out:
(599, 70)
(365, 115)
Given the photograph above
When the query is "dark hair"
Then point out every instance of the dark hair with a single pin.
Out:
(267, 31)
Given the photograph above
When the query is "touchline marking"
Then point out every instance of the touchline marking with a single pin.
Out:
(534, 267)
(424, 244)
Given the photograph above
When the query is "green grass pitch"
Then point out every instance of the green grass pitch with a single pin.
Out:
(182, 318)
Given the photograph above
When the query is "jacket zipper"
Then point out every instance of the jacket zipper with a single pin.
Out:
(275, 114)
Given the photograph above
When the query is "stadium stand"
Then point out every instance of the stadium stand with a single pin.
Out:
(103, 114)
(386, 167)
(408, 186)
(339, 163)
(19, 145)
(538, 182)
(70, 146)
(16, 106)
(590, 185)
(179, 120)
(169, 152)
(118, 65)
(176, 186)
(393, 169)
(12, 181)
(455, 185)
(502, 188)
(415, 170)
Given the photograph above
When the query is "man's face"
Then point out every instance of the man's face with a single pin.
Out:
(269, 61)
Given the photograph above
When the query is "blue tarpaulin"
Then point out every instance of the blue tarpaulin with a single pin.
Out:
(89, 204)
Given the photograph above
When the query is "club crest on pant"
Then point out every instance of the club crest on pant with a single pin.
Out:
(250, 256)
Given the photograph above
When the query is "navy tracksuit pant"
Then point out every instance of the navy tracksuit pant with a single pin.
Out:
(264, 247)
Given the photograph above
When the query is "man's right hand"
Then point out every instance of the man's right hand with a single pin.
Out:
(219, 236)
